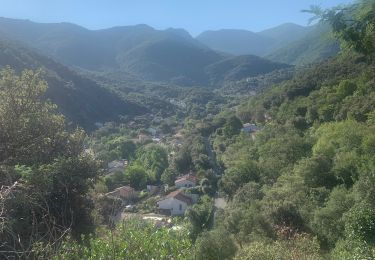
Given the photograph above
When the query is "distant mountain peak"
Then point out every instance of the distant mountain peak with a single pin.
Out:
(236, 41)
(179, 31)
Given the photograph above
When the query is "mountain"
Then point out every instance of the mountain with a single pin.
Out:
(240, 42)
(138, 52)
(236, 42)
(169, 55)
(74, 45)
(285, 34)
(240, 67)
(315, 46)
(287, 43)
(80, 99)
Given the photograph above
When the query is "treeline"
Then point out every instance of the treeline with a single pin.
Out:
(303, 186)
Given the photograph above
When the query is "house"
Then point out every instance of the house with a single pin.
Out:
(125, 193)
(186, 181)
(249, 128)
(117, 165)
(175, 203)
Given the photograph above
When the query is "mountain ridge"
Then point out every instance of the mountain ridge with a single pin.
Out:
(171, 55)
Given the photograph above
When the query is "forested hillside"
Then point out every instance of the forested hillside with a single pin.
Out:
(287, 43)
(240, 67)
(243, 42)
(303, 186)
(80, 99)
(317, 45)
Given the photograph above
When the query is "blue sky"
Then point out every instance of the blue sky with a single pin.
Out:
(192, 15)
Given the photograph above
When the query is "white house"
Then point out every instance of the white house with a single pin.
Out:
(175, 203)
(186, 181)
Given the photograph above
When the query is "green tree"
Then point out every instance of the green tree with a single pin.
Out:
(215, 244)
(328, 221)
(136, 177)
(316, 172)
(200, 216)
(168, 177)
(239, 174)
(232, 126)
(353, 24)
(31, 130)
(154, 158)
(43, 167)
(127, 149)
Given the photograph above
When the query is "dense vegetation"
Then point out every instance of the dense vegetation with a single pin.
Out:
(302, 187)
(317, 45)
(45, 176)
(287, 43)
(80, 99)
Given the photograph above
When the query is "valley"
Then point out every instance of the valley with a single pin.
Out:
(139, 143)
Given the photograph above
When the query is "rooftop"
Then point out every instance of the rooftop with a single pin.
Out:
(179, 195)
(187, 177)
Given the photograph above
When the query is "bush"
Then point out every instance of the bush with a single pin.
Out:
(216, 244)
(298, 247)
(133, 239)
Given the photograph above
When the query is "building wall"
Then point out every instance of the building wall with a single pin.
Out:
(127, 194)
(177, 207)
(185, 184)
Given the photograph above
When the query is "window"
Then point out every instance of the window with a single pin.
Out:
(180, 206)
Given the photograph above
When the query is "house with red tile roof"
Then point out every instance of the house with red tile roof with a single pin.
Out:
(175, 203)
(186, 181)
(125, 193)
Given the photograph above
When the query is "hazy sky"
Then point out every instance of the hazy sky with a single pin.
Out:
(192, 15)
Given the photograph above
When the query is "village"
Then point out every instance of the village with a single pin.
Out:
(159, 202)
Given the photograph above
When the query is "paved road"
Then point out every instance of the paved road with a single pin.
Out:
(211, 155)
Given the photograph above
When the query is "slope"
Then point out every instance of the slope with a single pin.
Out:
(240, 67)
(83, 101)
(237, 42)
(316, 46)
(285, 34)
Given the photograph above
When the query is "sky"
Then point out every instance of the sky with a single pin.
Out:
(193, 15)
